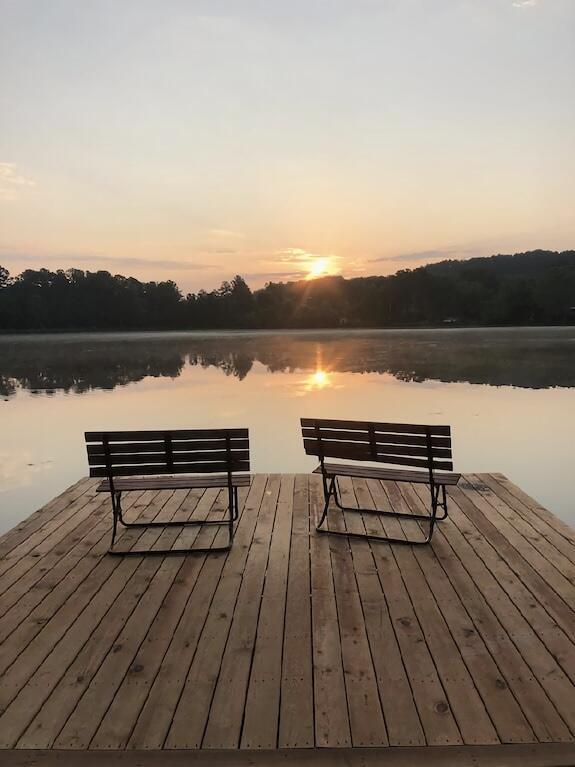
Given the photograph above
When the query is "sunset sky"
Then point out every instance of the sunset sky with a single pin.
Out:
(197, 139)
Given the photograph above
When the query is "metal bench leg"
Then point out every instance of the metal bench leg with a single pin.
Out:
(396, 514)
(233, 514)
(236, 504)
(117, 516)
(327, 493)
(431, 519)
(443, 504)
(232, 511)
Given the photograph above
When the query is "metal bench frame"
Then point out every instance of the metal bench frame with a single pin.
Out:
(119, 519)
(103, 465)
(325, 448)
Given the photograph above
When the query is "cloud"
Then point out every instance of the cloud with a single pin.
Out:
(524, 3)
(301, 256)
(11, 180)
(82, 261)
(428, 255)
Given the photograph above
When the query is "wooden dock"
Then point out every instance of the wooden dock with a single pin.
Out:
(294, 647)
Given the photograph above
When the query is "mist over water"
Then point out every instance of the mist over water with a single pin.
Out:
(509, 395)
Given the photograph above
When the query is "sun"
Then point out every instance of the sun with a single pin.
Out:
(318, 267)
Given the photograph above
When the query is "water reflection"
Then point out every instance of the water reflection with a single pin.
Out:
(526, 358)
(318, 380)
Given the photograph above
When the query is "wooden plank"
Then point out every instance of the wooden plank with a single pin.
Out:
(332, 727)
(548, 721)
(50, 571)
(552, 520)
(110, 657)
(374, 472)
(375, 450)
(393, 428)
(539, 755)
(177, 457)
(119, 448)
(296, 726)
(545, 627)
(224, 724)
(177, 468)
(29, 644)
(262, 702)
(538, 709)
(363, 702)
(555, 569)
(175, 434)
(546, 539)
(309, 432)
(103, 642)
(85, 724)
(362, 452)
(211, 598)
(174, 483)
(44, 514)
(121, 716)
(225, 646)
(402, 720)
(549, 582)
(469, 708)
(435, 712)
(39, 667)
(489, 677)
(28, 569)
(50, 534)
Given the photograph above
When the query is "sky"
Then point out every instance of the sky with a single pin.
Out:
(197, 139)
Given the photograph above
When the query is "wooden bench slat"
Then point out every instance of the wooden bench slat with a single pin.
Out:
(316, 447)
(363, 436)
(174, 483)
(405, 428)
(176, 434)
(359, 452)
(395, 475)
(176, 457)
(184, 468)
(152, 446)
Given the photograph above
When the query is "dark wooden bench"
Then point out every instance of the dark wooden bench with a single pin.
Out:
(147, 460)
(426, 448)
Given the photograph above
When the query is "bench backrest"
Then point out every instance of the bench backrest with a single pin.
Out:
(144, 453)
(405, 444)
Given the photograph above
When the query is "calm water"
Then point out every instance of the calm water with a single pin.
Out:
(508, 394)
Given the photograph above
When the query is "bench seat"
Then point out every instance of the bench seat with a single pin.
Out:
(122, 484)
(395, 475)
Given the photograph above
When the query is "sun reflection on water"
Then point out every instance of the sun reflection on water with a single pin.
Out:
(318, 380)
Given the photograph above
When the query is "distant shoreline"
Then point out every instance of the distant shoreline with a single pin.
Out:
(261, 331)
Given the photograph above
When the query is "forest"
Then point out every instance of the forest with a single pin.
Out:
(532, 288)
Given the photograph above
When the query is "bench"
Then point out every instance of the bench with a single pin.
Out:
(427, 449)
(148, 460)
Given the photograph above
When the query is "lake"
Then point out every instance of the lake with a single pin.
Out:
(509, 395)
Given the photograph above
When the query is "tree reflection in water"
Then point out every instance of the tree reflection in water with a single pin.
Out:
(529, 357)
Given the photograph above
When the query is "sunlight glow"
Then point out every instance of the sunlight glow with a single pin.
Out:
(318, 267)
(318, 380)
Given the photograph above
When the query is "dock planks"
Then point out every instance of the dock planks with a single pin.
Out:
(292, 641)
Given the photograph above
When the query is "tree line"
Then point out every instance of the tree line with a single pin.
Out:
(45, 365)
(537, 287)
